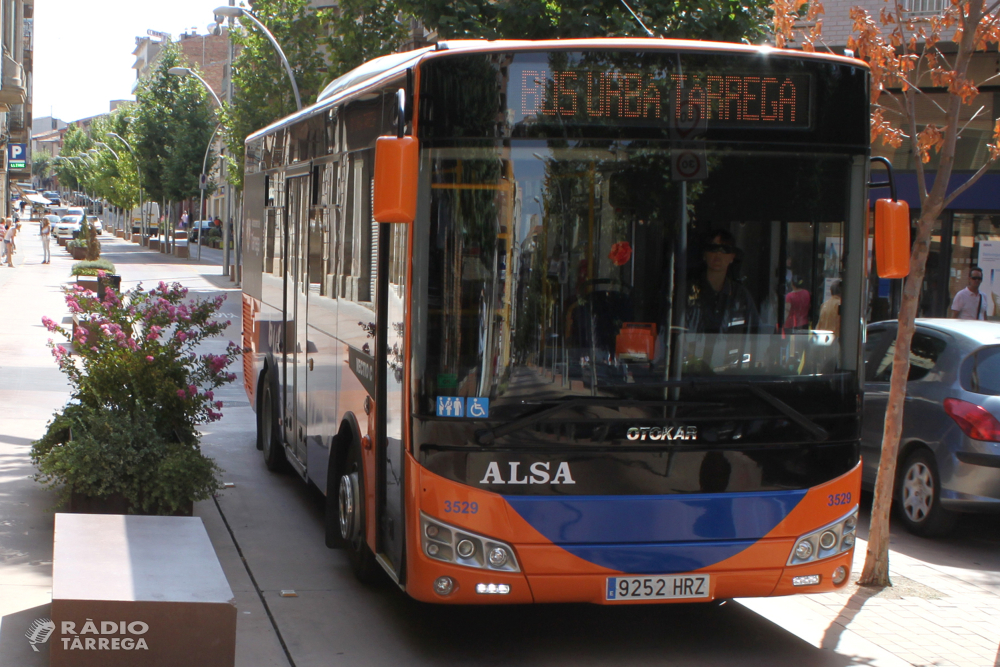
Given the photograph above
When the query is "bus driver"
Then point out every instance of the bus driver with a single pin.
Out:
(716, 302)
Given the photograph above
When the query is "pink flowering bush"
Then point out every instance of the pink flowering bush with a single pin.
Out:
(140, 389)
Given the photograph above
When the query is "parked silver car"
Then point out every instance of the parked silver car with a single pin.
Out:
(949, 450)
(68, 226)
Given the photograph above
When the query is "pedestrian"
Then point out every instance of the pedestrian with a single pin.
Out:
(969, 303)
(829, 312)
(797, 303)
(184, 220)
(3, 246)
(8, 241)
(46, 235)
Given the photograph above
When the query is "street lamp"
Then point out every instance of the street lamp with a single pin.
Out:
(110, 149)
(117, 159)
(240, 12)
(185, 71)
(78, 175)
(138, 171)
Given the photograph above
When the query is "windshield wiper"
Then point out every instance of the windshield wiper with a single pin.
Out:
(809, 425)
(488, 436)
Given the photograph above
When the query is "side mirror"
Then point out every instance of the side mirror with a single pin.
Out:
(892, 238)
(396, 167)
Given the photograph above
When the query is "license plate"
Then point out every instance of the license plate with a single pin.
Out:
(658, 587)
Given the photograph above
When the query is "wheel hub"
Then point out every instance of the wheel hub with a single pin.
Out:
(350, 524)
(918, 492)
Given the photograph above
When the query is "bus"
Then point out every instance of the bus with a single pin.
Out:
(570, 321)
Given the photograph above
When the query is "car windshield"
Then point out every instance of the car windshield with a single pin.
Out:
(590, 271)
(72, 218)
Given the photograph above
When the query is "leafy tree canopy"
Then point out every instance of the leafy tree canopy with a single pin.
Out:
(263, 92)
(173, 124)
(720, 20)
(118, 181)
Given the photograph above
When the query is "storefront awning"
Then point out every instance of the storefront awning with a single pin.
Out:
(38, 199)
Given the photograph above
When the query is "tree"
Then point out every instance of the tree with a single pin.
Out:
(905, 55)
(41, 167)
(75, 142)
(170, 130)
(118, 181)
(722, 20)
(361, 30)
(263, 92)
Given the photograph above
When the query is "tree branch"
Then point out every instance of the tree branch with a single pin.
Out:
(968, 184)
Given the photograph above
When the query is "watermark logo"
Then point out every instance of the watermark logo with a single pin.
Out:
(128, 636)
(39, 632)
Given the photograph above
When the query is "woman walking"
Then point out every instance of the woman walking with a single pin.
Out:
(46, 235)
(8, 242)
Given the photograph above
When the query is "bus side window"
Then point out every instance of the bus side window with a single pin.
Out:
(318, 233)
(360, 236)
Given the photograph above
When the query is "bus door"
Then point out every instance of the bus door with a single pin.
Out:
(390, 341)
(296, 291)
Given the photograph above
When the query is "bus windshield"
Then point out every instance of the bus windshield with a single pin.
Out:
(562, 268)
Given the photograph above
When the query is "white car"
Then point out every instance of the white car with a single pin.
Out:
(68, 226)
(96, 223)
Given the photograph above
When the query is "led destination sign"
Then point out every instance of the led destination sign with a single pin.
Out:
(616, 96)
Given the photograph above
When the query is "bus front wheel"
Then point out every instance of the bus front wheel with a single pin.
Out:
(351, 514)
(268, 434)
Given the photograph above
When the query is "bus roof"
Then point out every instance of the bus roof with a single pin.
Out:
(384, 67)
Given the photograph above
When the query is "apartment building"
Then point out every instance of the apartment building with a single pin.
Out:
(16, 45)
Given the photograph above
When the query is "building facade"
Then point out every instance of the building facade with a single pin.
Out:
(16, 44)
(963, 235)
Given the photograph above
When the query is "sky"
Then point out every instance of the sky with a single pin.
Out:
(83, 50)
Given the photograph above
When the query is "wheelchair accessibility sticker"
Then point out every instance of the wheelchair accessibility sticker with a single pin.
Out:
(478, 408)
(456, 406)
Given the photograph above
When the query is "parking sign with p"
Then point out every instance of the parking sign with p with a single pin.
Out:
(17, 156)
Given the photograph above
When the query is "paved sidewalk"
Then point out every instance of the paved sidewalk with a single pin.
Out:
(932, 615)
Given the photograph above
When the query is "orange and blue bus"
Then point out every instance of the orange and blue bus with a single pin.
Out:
(569, 321)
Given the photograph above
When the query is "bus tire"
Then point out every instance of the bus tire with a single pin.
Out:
(331, 515)
(351, 514)
(918, 496)
(268, 430)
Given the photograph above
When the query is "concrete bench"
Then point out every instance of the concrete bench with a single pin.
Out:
(138, 590)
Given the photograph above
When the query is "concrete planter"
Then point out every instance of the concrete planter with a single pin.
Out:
(87, 282)
(78, 253)
(154, 244)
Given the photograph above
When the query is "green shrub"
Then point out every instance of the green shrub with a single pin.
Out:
(140, 389)
(76, 243)
(86, 268)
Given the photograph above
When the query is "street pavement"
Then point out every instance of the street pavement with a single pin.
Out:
(267, 532)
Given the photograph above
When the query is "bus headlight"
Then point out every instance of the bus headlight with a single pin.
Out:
(825, 542)
(447, 543)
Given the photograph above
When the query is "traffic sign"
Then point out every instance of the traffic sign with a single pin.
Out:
(203, 181)
(688, 164)
(17, 156)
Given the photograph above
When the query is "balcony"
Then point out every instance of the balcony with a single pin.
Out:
(12, 84)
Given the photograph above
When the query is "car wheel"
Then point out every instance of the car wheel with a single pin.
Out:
(268, 433)
(351, 515)
(919, 497)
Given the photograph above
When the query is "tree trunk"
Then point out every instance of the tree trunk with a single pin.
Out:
(876, 569)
